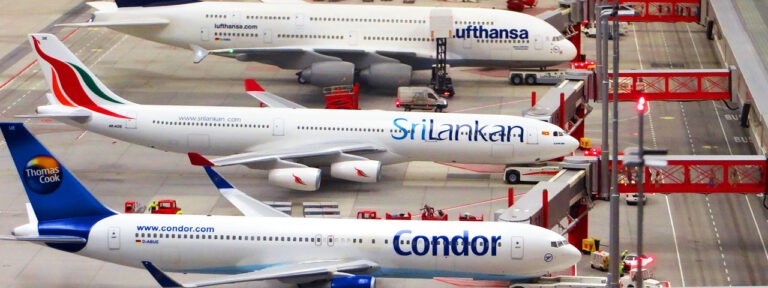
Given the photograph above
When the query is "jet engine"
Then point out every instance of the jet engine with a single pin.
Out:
(365, 171)
(359, 281)
(387, 75)
(305, 179)
(328, 73)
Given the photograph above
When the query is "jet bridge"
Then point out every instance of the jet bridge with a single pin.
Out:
(566, 104)
(566, 195)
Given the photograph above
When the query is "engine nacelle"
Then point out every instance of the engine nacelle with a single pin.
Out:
(365, 171)
(387, 75)
(360, 281)
(328, 73)
(305, 179)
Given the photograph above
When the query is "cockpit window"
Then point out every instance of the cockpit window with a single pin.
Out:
(558, 244)
(558, 38)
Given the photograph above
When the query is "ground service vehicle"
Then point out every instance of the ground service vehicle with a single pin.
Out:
(423, 98)
(533, 77)
(587, 281)
(166, 206)
(591, 30)
(532, 173)
(632, 199)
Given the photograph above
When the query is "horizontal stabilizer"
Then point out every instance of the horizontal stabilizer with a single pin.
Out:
(116, 23)
(47, 239)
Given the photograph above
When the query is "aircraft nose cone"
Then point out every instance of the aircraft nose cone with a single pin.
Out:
(571, 144)
(572, 255)
(569, 50)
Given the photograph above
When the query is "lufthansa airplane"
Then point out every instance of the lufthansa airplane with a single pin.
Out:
(285, 139)
(267, 244)
(330, 43)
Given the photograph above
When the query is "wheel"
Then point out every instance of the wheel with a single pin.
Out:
(438, 109)
(593, 266)
(530, 80)
(516, 79)
(301, 80)
(512, 176)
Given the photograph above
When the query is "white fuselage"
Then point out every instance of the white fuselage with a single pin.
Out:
(406, 136)
(229, 245)
(479, 37)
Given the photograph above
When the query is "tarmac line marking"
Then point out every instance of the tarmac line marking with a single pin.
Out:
(490, 105)
(674, 237)
(717, 113)
(757, 227)
(32, 63)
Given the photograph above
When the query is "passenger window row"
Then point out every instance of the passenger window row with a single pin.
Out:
(474, 22)
(514, 41)
(300, 36)
(208, 124)
(343, 129)
(383, 38)
(367, 20)
(229, 34)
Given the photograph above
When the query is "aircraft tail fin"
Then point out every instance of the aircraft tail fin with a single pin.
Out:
(54, 193)
(70, 81)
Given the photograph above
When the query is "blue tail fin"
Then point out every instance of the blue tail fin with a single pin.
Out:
(55, 193)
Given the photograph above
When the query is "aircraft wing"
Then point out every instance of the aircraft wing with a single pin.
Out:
(254, 89)
(303, 57)
(304, 272)
(131, 22)
(282, 158)
(248, 206)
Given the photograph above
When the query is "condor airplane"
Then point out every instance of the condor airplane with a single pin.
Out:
(267, 244)
(330, 43)
(285, 139)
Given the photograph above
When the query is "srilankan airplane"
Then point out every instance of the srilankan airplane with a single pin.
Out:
(286, 139)
(266, 244)
(328, 44)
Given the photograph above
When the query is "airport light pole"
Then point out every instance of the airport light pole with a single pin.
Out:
(602, 43)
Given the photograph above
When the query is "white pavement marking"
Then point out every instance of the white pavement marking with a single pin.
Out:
(674, 237)
(717, 236)
(757, 227)
(650, 118)
(717, 112)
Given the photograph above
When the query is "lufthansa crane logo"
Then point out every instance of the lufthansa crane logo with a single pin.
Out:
(42, 174)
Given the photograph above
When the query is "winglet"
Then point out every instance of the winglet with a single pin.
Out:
(217, 180)
(253, 86)
(199, 160)
(200, 52)
(159, 276)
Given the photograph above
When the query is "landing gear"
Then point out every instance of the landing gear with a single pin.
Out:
(300, 79)
(511, 176)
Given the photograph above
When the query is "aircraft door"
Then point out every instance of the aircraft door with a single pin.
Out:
(205, 34)
(467, 43)
(532, 137)
(300, 20)
(516, 247)
(278, 127)
(130, 123)
(352, 38)
(267, 36)
(113, 238)
(538, 42)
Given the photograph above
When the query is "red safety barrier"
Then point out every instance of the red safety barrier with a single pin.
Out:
(663, 10)
(673, 85)
(699, 174)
